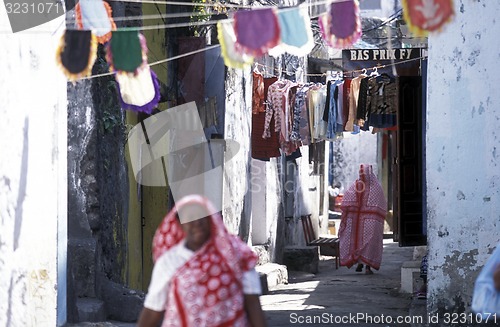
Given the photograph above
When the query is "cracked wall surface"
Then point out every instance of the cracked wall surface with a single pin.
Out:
(462, 142)
(32, 177)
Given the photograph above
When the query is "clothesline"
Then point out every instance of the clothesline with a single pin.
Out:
(387, 65)
(344, 72)
(216, 4)
(286, 72)
(159, 61)
(184, 15)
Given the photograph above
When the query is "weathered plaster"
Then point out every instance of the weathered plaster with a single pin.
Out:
(349, 153)
(32, 177)
(461, 150)
(236, 195)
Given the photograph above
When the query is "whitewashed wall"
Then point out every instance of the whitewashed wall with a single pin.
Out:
(349, 153)
(32, 178)
(463, 152)
(237, 127)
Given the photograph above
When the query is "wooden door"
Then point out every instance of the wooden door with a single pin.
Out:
(409, 162)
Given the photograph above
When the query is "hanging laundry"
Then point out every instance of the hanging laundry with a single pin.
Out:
(76, 53)
(263, 149)
(340, 26)
(423, 16)
(362, 109)
(257, 31)
(138, 92)
(304, 127)
(95, 15)
(126, 51)
(227, 40)
(353, 103)
(258, 94)
(301, 131)
(384, 96)
(296, 33)
(339, 128)
(334, 120)
(316, 101)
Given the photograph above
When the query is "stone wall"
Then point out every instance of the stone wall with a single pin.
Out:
(462, 149)
(97, 201)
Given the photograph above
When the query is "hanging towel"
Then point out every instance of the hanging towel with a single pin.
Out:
(138, 92)
(76, 53)
(423, 16)
(95, 15)
(296, 33)
(227, 39)
(341, 26)
(257, 31)
(126, 51)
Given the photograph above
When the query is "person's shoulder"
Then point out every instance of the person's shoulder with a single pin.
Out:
(174, 253)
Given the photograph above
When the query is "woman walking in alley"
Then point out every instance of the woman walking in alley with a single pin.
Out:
(203, 276)
(361, 231)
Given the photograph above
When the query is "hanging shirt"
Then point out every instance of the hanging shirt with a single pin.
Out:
(331, 130)
(317, 98)
(340, 109)
(362, 109)
(299, 107)
(353, 101)
(263, 149)
(275, 106)
(383, 92)
(304, 124)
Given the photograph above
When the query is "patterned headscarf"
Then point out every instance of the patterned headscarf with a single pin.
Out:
(207, 289)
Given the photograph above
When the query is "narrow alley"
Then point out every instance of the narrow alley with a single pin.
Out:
(337, 297)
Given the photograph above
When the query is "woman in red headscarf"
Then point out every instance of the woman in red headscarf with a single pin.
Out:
(203, 276)
(361, 231)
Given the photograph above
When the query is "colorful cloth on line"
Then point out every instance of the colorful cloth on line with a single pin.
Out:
(296, 33)
(227, 40)
(95, 15)
(257, 31)
(341, 25)
(423, 16)
(138, 92)
(361, 229)
(207, 289)
(76, 53)
(127, 51)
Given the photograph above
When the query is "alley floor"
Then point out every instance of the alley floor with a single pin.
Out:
(343, 297)
(339, 297)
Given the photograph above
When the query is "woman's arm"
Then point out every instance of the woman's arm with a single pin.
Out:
(149, 318)
(254, 311)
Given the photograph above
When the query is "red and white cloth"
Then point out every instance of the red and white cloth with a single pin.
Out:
(361, 231)
(208, 285)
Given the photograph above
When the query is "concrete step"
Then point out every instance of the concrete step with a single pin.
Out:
(410, 275)
(272, 275)
(90, 310)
